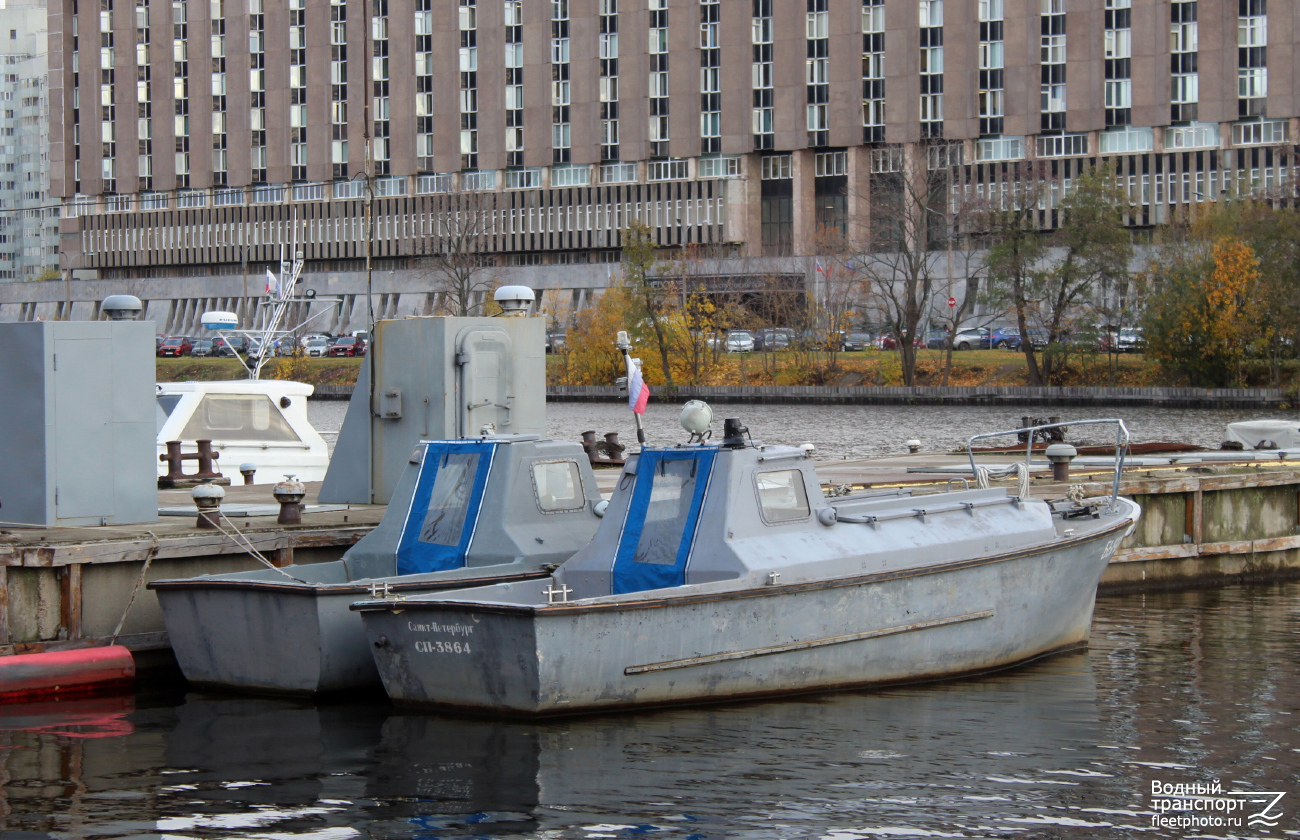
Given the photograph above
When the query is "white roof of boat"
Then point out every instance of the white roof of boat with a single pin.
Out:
(271, 387)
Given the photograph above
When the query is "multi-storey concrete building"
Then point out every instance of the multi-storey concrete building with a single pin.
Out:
(192, 136)
(29, 217)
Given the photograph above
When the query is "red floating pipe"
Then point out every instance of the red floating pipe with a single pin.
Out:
(77, 671)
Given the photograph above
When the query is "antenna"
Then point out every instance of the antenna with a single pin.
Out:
(281, 291)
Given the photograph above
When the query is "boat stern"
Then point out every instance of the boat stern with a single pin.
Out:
(447, 655)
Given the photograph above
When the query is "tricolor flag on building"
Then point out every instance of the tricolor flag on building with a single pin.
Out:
(638, 393)
(272, 285)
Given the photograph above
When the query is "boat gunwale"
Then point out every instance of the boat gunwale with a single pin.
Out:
(315, 589)
(571, 608)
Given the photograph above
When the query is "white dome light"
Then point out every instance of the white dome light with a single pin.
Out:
(696, 417)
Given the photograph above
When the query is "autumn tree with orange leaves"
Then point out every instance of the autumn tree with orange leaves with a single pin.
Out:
(1209, 313)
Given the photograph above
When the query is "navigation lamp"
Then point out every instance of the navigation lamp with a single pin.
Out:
(514, 300)
(696, 417)
(121, 307)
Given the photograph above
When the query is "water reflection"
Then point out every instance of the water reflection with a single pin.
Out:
(1180, 688)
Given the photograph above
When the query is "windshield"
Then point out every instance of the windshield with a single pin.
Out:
(449, 500)
(666, 516)
(238, 417)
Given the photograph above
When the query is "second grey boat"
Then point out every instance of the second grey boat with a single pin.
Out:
(720, 572)
(506, 508)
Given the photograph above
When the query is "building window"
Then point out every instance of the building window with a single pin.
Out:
(775, 167)
(873, 71)
(1252, 57)
(1184, 81)
(1259, 133)
(710, 78)
(570, 176)
(817, 71)
(1118, 52)
(608, 84)
(992, 62)
(1052, 67)
(560, 85)
(761, 75)
(658, 81)
(931, 68)
(666, 170)
(468, 60)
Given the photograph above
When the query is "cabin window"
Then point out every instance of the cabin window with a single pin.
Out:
(449, 500)
(241, 417)
(671, 493)
(782, 496)
(558, 486)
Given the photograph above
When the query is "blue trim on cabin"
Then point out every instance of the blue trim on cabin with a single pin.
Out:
(415, 555)
(632, 575)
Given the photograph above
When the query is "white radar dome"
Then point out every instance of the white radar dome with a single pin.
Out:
(220, 320)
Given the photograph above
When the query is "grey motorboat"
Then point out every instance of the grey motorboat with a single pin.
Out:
(721, 572)
(471, 512)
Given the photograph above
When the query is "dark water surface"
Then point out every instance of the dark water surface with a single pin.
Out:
(1179, 688)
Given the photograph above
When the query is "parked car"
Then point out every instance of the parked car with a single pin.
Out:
(285, 347)
(232, 346)
(316, 347)
(202, 347)
(773, 339)
(314, 337)
(175, 345)
(348, 345)
(158, 340)
(556, 341)
(853, 340)
(1126, 340)
(936, 339)
(1005, 338)
(975, 338)
(1038, 338)
(740, 341)
(1132, 340)
(889, 341)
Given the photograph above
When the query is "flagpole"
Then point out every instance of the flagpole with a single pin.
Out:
(625, 345)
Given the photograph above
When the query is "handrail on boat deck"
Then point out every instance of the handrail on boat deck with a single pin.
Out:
(1121, 446)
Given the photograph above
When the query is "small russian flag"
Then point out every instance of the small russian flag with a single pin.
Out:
(272, 285)
(638, 393)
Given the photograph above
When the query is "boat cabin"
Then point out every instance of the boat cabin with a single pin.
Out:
(258, 421)
(756, 515)
(482, 502)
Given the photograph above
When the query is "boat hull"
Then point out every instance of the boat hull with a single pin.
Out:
(921, 624)
(270, 637)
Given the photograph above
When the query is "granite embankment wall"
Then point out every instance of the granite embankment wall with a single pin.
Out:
(884, 395)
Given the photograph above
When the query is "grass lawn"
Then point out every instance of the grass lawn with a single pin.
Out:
(339, 370)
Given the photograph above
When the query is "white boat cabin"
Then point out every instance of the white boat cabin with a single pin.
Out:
(258, 421)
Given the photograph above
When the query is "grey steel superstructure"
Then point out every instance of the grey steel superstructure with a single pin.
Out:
(721, 572)
(471, 512)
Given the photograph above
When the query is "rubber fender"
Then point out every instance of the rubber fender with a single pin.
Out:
(73, 671)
